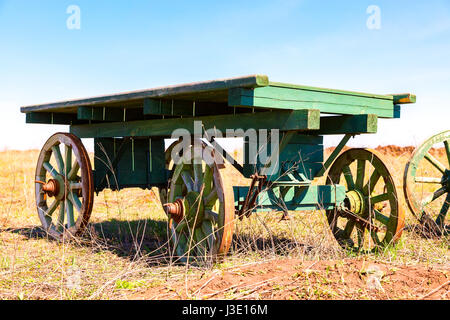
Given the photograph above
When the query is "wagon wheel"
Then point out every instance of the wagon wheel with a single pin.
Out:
(200, 207)
(426, 183)
(371, 216)
(67, 181)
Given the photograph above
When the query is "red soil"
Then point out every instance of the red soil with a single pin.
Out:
(294, 279)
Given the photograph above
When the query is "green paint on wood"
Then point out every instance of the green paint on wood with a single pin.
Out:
(295, 198)
(184, 108)
(404, 98)
(300, 98)
(100, 114)
(366, 123)
(301, 120)
(191, 91)
(139, 163)
(51, 118)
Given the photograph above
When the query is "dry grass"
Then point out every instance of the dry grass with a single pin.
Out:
(124, 253)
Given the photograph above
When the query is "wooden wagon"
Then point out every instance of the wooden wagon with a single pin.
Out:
(129, 131)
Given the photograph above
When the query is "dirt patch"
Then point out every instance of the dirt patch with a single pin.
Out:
(293, 279)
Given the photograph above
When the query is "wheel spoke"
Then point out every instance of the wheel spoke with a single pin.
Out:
(58, 158)
(76, 186)
(52, 208)
(207, 180)
(211, 198)
(70, 217)
(180, 227)
(68, 157)
(435, 162)
(200, 244)
(53, 172)
(181, 244)
(360, 172)
(428, 180)
(447, 150)
(211, 216)
(441, 217)
(349, 228)
(73, 172)
(60, 223)
(360, 234)
(380, 198)
(370, 186)
(381, 217)
(198, 177)
(75, 201)
(208, 230)
(187, 179)
(348, 178)
(437, 194)
(375, 237)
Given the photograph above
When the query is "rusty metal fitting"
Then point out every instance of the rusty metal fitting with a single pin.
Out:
(175, 210)
(51, 188)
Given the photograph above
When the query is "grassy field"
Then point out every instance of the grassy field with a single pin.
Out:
(124, 256)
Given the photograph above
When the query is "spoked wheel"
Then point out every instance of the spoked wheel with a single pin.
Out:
(64, 186)
(427, 183)
(200, 207)
(371, 217)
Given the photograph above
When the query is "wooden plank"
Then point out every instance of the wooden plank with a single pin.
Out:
(297, 99)
(327, 90)
(313, 197)
(290, 94)
(404, 98)
(51, 118)
(171, 91)
(301, 120)
(365, 123)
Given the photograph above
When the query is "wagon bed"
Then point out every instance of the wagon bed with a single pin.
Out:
(227, 96)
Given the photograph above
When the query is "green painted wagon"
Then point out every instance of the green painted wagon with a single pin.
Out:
(129, 131)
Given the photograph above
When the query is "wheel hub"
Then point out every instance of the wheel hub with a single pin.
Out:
(175, 210)
(191, 207)
(53, 188)
(355, 202)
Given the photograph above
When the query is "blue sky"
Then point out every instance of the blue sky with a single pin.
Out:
(130, 45)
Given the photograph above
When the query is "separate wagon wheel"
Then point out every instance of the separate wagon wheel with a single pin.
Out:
(426, 183)
(67, 181)
(200, 206)
(371, 217)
